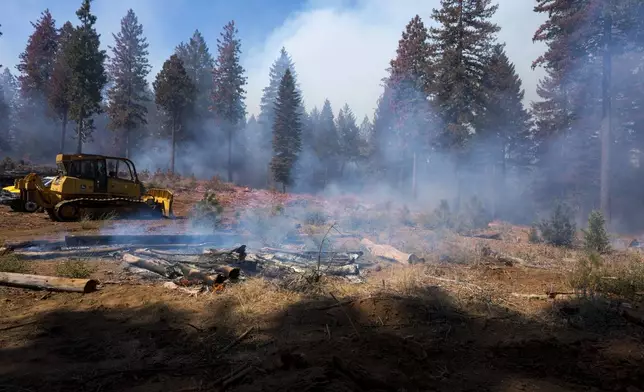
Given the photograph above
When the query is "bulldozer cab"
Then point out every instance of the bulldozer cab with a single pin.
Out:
(84, 173)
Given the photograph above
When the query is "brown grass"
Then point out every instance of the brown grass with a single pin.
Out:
(12, 263)
(76, 269)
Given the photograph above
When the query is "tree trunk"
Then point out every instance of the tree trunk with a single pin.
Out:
(79, 145)
(606, 119)
(127, 142)
(174, 132)
(413, 177)
(230, 155)
(63, 132)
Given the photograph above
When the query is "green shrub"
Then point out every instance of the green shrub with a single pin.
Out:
(533, 235)
(595, 237)
(559, 229)
(12, 263)
(76, 269)
(207, 211)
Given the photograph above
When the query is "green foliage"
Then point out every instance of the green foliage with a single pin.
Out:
(287, 130)
(128, 68)
(85, 60)
(12, 263)
(533, 235)
(207, 212)
(174, 90)
(37, 61)
(591, 274)
(595, 236)
(174, 94)
(228, 92)
(559, 229)
(471, 216)
(75, 269)
(464, 35)
(198, 63)
(58, 96)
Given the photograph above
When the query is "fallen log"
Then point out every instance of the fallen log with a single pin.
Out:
(327, 257)
(390, 253)
(156, 266)
(545, 296)
(228, 271)
(343, 270)
(65, 254)
(239, 251)
(493, 236)
(53, 283)
(146, 239)
(195, 274)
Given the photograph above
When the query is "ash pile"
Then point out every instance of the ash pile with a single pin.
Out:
(196, 260)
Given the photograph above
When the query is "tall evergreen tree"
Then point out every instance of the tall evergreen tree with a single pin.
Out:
(5, 122)
(583, 39)
(11, 93)
(464, 38)
(198, 63)
(0, 36)
(505, 124)
(365, 133)
(228, 89)
(37, 61)
(349, 137)
(326, 143)
(502, 139)
(174, 94)
(287, 129)
(269, 93)
(266, 116)
(406, 122)
(58, 92)
(87, 78)
(128, 68)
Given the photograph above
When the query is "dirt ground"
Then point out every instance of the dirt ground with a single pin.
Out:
(451, 324)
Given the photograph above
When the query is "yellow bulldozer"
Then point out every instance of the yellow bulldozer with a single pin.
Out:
(94, 186)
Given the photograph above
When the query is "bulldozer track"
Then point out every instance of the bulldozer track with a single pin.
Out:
(96, 203)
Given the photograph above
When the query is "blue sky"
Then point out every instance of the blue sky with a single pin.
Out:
(340, 47)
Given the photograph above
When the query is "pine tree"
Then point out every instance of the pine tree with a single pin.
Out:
(0, 36)
(326, 143)
(266, 116)
(349, 137)
(174, 94)
(11, 92)
(505, 122)
(584, 37)
(128, 68)
(287, 129)
(228, 89)
(87, 78)
(365, 133)
(198, 63)
(58, 92)
(406, 121)
(503, 129)
(37, 61)
(5, 122)
(464, 38)
(269, 93)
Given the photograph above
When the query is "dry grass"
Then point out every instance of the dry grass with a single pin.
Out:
(12, 263)
(76, 269)
(621, 275)
(257, 297)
